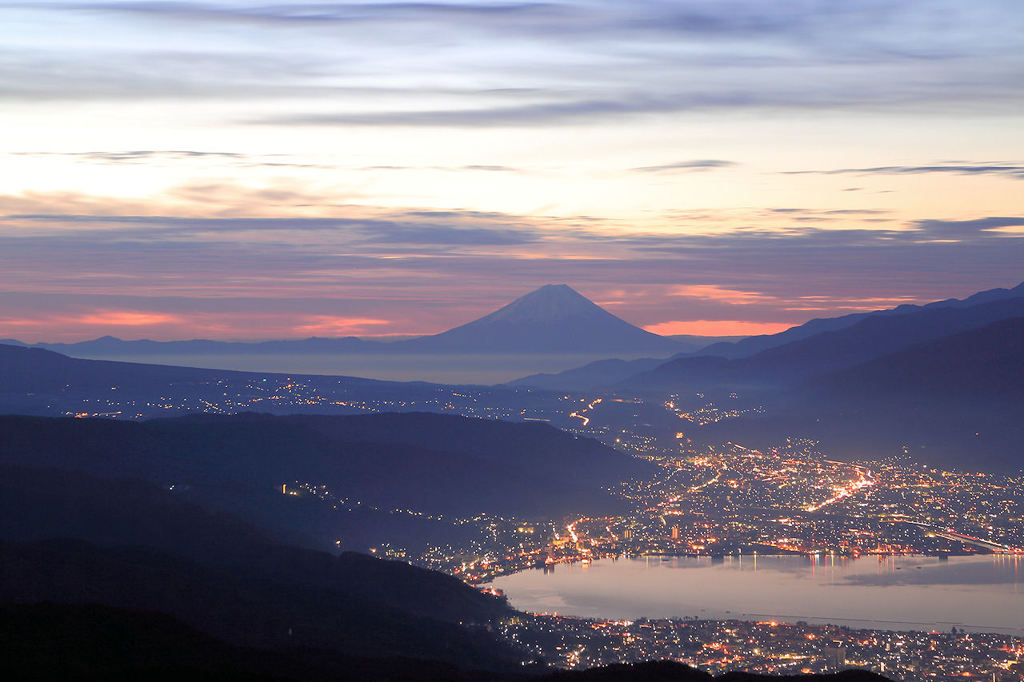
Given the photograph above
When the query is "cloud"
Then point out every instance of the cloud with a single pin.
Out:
(300, 13)
(694, 165)
(489, 168)
(468, 167)
(960, 229)
(339, 326)
(94, 318)
(713, 292)
(355, 232)
(149, 157)
(521, 64)
(625, 103)
(134, 156)
(1005, 170)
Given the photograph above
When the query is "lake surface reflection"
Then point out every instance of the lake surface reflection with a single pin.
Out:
(980, 593)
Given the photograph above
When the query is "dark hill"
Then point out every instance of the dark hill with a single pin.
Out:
(41, 504)
(35, 370)
(246, 608)
(90, 642)
(71, 538)
(427, 462)
(48, 641)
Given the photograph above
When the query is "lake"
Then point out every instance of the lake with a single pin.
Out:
(979, 593)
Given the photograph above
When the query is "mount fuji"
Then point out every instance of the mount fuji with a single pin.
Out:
(552, 319)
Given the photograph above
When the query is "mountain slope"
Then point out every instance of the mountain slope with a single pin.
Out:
(70, 538)
(48, 641)
(984, 364)
(955, 401)
(440, 464)
(798, 361)
(755, 344)
(552, 319)
(597, 374)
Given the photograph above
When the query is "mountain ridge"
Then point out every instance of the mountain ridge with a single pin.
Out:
(755, 344)
(553, 318)
(832, 350)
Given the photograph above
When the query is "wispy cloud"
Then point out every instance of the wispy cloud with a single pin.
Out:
(713, 292)
(740, 54)
(686, 166)
(134, 156)
(966, 229)
(1015, 171)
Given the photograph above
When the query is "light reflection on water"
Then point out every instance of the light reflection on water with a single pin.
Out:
(982, 593)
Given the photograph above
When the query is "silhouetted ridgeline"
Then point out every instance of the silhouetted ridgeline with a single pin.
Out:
(796, 362)
(426, 462)
(70, 538)
(38, 370)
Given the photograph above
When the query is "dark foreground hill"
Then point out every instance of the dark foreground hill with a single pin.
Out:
(73, 539)
(426, 462)
(121, 580)
(92, 642)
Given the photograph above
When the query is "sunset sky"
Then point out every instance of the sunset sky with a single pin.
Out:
(244, 170)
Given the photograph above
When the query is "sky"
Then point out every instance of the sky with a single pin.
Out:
(247, 170)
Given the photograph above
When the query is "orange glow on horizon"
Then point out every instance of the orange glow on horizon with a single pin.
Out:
(126, 318)
(327, 324)
(716, 327)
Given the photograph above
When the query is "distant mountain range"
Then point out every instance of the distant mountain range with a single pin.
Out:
(795, 355)
(943, 383)
(794, 362)
(554, 319)
(755, 344)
